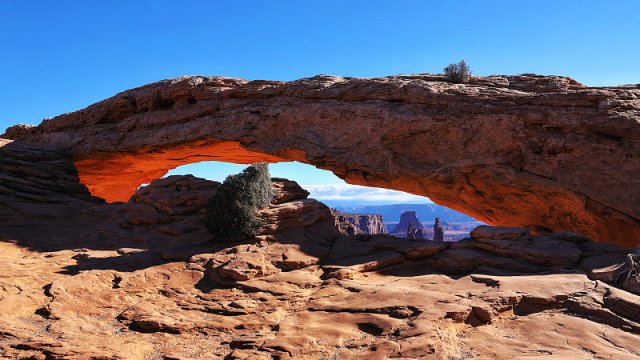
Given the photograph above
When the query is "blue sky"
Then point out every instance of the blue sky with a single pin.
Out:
(322, 184)
(60, 56)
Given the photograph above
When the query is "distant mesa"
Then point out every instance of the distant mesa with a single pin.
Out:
(357, 224)
(409, 224)
(456, 225)
(411, 227)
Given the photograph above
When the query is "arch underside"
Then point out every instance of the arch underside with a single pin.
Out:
(115, 177)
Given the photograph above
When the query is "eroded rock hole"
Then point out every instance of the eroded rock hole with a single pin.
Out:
(358, 210)
(161, 104)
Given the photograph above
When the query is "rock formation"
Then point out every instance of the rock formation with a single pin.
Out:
(407, 218)
(143, 279)
(526, 150)
(413, 233)
(358, 224)
(438, 231)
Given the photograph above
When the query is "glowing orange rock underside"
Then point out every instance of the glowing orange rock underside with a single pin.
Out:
(133, 169)
(116, 176)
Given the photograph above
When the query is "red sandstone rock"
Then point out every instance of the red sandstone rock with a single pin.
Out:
(526, 150)
(85, 279)
(287, 191)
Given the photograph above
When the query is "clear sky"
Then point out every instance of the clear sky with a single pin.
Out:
(322, 184)
(60, 56)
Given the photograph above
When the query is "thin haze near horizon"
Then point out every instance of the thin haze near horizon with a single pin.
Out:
(322, 184)
(62, 56)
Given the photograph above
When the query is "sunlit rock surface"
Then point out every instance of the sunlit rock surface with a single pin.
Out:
(143, 279)
(543, 152)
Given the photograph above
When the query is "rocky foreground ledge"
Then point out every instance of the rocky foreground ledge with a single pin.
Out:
(544, 152)
(142, 279)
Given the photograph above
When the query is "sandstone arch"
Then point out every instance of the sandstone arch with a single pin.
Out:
(543, 152)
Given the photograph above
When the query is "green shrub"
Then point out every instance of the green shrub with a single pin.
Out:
(458, 73)
(232, 213)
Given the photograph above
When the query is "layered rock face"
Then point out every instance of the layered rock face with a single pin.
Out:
(142, 279)
(358, 224)
(407, 219)
(527, 150)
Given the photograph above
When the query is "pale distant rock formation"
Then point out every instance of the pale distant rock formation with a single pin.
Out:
(544, 152)
(414, 233)
(408, 221)
(438, 231)
(356, 224)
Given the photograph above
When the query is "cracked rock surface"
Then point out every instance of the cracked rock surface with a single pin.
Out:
(142, 279)
(522, 150)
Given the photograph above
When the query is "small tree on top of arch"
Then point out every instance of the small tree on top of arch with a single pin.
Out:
(458, 73)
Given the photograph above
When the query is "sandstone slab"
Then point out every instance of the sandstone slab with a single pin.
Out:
(81, 280)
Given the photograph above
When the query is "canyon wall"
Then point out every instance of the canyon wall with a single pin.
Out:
(355, 224)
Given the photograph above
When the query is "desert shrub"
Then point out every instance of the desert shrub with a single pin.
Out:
(458, 73)
(232, 213)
